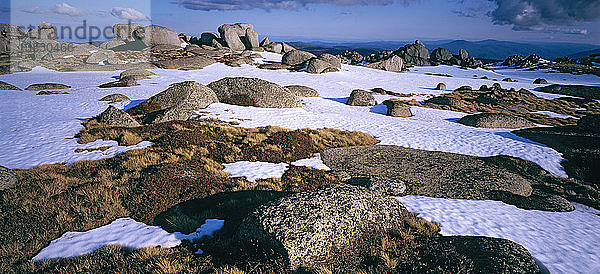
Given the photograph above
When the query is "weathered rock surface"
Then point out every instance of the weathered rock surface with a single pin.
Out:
(590, 123)
(307, 226)
(440, 86)
(178, 102)
(138, 74)
(335, 61)
(397, 108)
(414, 54)
(47, 86)
(116, 117)
(154, 35)
(303, 91)
(7, 86)
(393, 64)
(8, 178)
(297, 58)
(429, 173)
(126, 81)
(589, 92)
(113, 98)
(253, 92)
(319, 66)
(495, 120)
(360, 97)
(192, 62)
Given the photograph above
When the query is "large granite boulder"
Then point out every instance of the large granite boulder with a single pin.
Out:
(495, 120)
(231, 37)
(297, 58)
(154, 35)
(178, 102)
(116, 117)
(253, 92)
(333, 60)
(8, 178)
(308, 226)
(397, 108)
(359, 97)
(316, 65)
(414, 54)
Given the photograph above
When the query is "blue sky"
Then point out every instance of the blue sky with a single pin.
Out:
(515, 20)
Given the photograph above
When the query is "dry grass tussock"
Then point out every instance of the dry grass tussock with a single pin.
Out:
(184, 164)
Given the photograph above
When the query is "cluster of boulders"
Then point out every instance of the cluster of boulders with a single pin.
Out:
(300, 60)
(415, 54)
(511, 108)
(395, 107)
(181, 100)
(521, 61)
(443, 56)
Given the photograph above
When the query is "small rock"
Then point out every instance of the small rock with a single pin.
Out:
(440, 86)
(126, 81)
(360, 97)
(113, 98)
(540, 81)
(116, 117)
(51, 92)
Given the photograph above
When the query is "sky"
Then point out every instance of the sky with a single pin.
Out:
(576, 21)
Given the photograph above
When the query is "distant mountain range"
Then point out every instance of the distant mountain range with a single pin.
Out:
(486, 49)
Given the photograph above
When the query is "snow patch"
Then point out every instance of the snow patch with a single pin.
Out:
(315, 162)
(254, 171)
(565, 242)
(555, 115)
(124, 232)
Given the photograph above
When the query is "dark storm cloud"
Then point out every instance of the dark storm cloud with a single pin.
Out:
(272, 4)
(536, 14)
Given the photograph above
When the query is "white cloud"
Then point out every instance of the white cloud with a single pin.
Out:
(66, 9)
(129, 14)
(35, 10)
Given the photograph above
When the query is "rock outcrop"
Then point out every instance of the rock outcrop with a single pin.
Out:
(253, 92)
(297, 58)
(414, 54)
(113, 98)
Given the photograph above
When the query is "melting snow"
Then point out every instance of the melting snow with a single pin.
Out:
(124, 232)
(314, 162)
